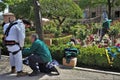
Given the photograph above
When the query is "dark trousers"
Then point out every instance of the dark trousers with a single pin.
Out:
(36, 63)
(104, 31)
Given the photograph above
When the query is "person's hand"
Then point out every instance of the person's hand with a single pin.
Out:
(21, 48)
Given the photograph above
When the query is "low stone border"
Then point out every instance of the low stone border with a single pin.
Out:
(97, 71)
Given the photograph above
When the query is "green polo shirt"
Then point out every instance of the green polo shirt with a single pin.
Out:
(39, 48)
(106, 24)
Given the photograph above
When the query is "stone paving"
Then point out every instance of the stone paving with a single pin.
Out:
(66, 74)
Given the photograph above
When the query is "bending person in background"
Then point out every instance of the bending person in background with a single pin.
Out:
(105, 28)
(38, 55)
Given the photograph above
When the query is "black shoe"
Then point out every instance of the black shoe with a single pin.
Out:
(34, 73)
(21, 74)
(55, 69)
(13, 70)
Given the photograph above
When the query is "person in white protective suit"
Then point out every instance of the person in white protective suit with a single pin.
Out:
(14, 35)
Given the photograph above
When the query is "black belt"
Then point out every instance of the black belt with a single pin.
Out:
(15, 52)
(11, 43)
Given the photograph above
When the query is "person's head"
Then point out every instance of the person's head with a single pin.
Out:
(9, 17)
(34, 37)
(73, 40)
(26, 23)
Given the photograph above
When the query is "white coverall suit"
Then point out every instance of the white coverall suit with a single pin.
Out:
(17, 34)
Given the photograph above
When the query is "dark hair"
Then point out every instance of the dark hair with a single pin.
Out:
(26, 22)
(73, 40)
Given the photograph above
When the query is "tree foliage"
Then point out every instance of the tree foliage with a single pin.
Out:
(13, 2)
(2, 6)
(59, 10)
(63, 8)
(21, 8)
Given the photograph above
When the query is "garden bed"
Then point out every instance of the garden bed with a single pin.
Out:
(90, 57)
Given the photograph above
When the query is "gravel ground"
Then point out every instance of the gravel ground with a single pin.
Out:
(66, 74)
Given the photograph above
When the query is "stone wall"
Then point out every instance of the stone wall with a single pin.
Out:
(90, 12)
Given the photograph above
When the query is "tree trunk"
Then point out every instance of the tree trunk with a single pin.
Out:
(60, 22)
(38, 19)
(109, 9)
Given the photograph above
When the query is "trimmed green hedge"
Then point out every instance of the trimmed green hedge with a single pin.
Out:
(61, 40)
(90, 56)
(116, 63)
(93, 56)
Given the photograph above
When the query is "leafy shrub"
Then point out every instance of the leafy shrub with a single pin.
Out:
(80, 31)
(90, 56)
(57, 33)
(57, 52)
(114, 29)
(50, 28)
(116, 63)
(3, 49)
(73, 30)
(61, 40)
(114, 32)
(66, 30)
(93, 56)
(81, 35)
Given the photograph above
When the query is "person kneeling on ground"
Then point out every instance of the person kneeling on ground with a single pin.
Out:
(38, 56)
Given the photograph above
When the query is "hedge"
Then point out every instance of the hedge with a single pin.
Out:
(93, 56)
(90, 56)
(61, 40)
(116, 63)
